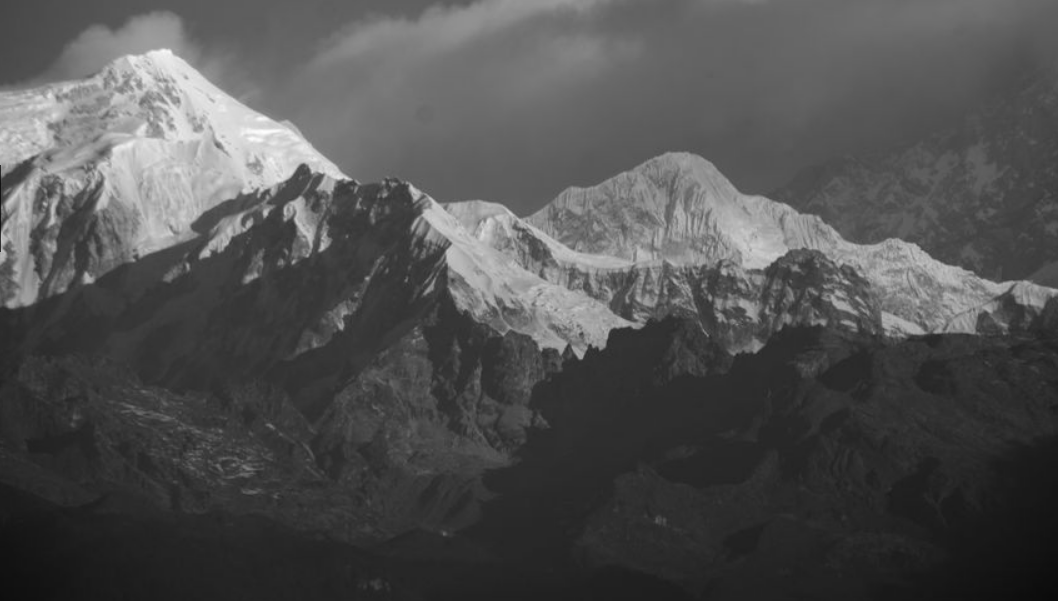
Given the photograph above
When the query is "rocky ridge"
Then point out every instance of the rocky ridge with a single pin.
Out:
(674, 235)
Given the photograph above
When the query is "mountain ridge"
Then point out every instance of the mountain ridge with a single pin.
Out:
(677, 210)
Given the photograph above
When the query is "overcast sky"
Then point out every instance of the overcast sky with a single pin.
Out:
(514, 100)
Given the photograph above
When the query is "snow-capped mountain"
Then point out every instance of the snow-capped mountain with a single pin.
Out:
(149, 167)
(167, 211)
(201, 315)
(674, 235)
(983, 195)
(148, 141)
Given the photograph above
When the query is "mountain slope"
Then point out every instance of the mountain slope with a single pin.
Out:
(406, 348)
(313, 262)
(983, 195)
(146, 146)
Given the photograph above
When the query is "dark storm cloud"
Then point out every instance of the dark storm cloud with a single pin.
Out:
(512, 100)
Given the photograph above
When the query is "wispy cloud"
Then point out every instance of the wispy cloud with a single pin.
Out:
(395, 89)
(99, 45)
(440, 29)
(513, 98)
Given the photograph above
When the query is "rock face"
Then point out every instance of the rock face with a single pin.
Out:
(674, 236)
(982, 196)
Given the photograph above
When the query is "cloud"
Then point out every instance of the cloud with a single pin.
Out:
(512, 100)
(395, 95)
(98, 45)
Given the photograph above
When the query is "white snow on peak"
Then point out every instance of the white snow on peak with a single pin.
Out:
(149, 143)
(159, 96)
(680, 208)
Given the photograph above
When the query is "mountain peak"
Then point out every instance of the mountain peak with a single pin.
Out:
(147, 142)
(159, 56)
(676, 207)
(162, 64)
(687, 161)
(686, 166)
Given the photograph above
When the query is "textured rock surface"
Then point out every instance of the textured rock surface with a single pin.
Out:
(982, 196)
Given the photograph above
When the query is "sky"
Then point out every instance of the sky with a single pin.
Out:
(514, 100)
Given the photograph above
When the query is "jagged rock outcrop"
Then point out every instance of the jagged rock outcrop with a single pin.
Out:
(981, 195)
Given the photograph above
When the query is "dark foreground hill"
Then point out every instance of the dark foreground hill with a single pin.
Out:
(825, 466)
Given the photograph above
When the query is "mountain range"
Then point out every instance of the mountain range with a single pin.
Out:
(201, 314)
